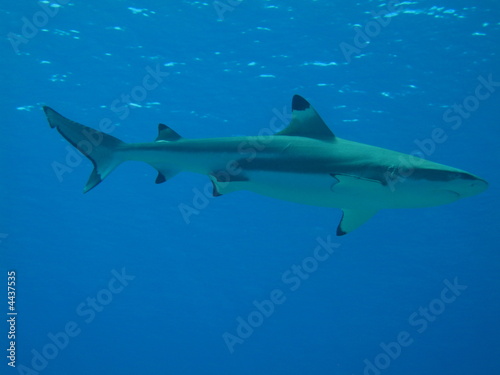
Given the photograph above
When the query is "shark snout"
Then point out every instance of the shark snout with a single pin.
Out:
(479, 185)
(468, 185)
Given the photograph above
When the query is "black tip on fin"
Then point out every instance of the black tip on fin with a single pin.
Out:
(352, 219)
(166, 134)
(160, 178)
(306, 122)
(299, 103)
(94, 180)
(47, 110)
(215, 192)
(340, 232)
(52, 116)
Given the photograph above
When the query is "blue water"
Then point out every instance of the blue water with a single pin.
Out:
(116, 282)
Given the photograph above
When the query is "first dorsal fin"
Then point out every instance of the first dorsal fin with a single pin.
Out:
(166, 134)
(306, 122)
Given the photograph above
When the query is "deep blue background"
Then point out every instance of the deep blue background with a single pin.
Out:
(193, 281)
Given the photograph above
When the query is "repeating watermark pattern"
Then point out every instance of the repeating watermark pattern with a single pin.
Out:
(372, 29)
(31, 26)
(247, 151)
(221, 7)
(420, 320)
(86, 310)
(453, 117)
(292, 280)
(121, 108)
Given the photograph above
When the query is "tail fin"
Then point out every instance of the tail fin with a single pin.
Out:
(99, 147)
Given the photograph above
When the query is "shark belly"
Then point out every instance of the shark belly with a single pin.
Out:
(342, 191)
(312, 189)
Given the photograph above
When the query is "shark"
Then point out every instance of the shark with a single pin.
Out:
(304, 163)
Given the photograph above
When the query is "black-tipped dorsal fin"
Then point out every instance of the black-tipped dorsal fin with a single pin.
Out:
(306, 121)
(166, 134)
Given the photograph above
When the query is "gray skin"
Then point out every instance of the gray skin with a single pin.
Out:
(305, 163)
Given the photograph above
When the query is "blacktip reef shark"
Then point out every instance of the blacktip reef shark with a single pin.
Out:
(304, 163)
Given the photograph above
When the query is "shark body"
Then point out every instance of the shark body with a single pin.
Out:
(304, 163)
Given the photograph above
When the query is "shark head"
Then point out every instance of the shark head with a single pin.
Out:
(464, 184)
(438, 184)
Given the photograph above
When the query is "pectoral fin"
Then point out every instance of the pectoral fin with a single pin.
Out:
(352, 219)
